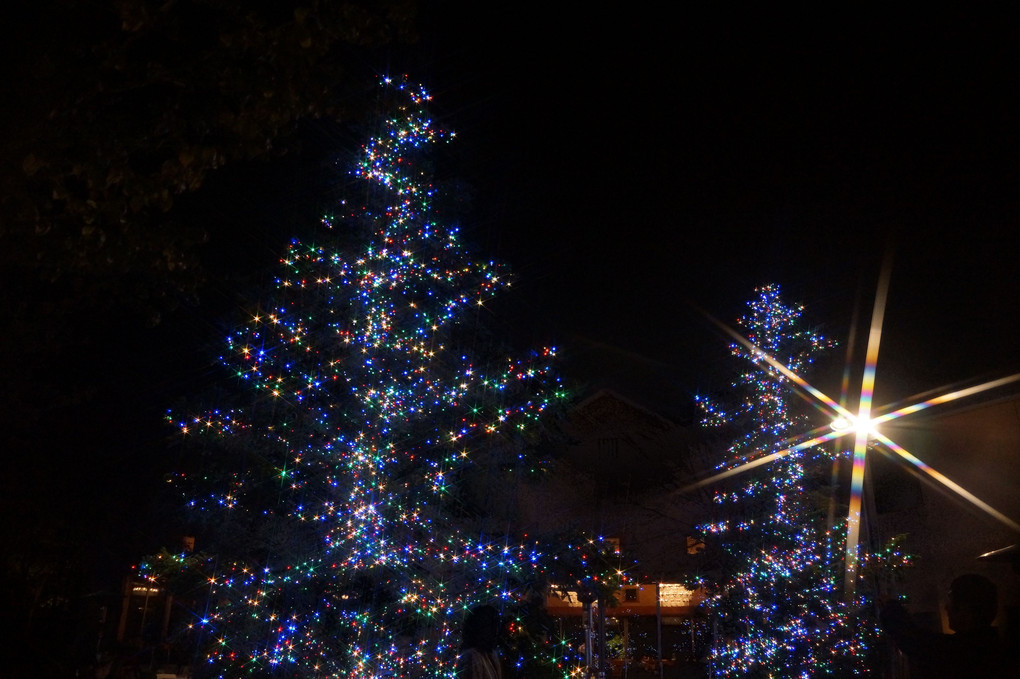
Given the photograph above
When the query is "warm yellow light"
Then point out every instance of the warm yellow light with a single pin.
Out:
(847, 424)
(841, 424)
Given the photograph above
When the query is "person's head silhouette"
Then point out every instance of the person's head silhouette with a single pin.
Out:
(481, 628)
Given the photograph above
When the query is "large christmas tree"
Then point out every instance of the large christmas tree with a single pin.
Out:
(332, 492)
(779, 606)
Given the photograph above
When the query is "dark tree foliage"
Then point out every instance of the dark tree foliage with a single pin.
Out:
(113, 114)
(125, 106)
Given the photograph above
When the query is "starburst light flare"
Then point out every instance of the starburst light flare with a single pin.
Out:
(947, 482)
(863, 434)
(770, 529)
(945, 398)
(777, 606)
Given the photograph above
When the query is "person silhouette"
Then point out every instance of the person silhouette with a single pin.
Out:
(478, 656)
(973, 650)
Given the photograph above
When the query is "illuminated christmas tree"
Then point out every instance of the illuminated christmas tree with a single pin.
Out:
(779, 606)
(347, 540)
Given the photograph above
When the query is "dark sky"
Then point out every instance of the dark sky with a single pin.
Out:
(630, 163)
(630, 166)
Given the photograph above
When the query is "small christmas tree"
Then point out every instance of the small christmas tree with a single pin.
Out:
(345, 543)
(779, 607)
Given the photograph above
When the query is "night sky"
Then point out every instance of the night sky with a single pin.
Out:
(633, 166)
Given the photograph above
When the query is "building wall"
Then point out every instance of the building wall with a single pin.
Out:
(977, 447)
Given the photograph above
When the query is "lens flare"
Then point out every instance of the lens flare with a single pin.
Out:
(863, 427)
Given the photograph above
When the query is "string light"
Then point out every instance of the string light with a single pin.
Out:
(369, 400)
(781, 608)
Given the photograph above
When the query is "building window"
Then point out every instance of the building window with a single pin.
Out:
(609, 446)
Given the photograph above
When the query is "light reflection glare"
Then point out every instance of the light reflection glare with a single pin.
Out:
(864, 429)
(843, 425)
